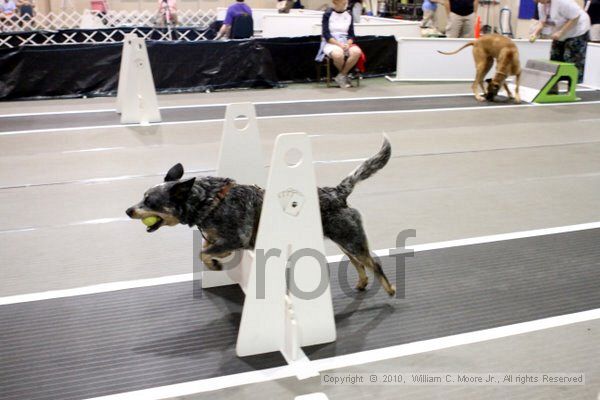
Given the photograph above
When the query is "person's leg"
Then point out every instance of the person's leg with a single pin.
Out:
(434, 20)
(353, 56)
(557, 51)
(467, 26)
(575, 49)
(453, 26)
(427, 16)
(288, 6)
(337, 56)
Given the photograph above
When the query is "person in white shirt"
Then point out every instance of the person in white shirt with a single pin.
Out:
(338, 41)
(570, 25)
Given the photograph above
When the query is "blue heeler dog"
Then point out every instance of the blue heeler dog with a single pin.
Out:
(228, 213)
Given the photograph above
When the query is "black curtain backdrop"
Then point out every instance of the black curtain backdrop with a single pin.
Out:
(77, 70)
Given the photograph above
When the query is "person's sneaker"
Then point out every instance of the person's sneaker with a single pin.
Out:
(340, 80)
(348, 82)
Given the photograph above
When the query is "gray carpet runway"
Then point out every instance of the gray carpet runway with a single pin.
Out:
(207, 113)
(85, 346)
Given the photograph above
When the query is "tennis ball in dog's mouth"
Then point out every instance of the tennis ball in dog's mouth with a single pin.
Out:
(149, 221)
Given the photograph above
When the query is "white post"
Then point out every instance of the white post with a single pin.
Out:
(136, 95)
(240, 158)
(289, 232)
(591, 76)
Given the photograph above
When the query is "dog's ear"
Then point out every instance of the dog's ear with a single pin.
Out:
(181, 190)
(175, 173)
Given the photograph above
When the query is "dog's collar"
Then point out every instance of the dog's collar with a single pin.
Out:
(223, 193)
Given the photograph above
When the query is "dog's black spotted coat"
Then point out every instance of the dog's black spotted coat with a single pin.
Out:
(228, 213)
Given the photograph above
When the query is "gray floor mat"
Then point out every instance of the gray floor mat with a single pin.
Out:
(106, 343)
(204, 113)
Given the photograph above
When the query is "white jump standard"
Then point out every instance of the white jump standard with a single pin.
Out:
(290, 221)
(136, 94)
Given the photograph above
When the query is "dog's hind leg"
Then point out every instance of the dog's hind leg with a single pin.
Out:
(517, 82)
(363, 279)
(482, 66)
(480, 63)
(373, 265)
(344, 227)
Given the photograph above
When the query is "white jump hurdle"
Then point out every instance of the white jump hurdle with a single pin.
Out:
(418, 59)
(240, 158)
(278, 316)
(136, 95)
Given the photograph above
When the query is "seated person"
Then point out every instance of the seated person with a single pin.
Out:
(167, 11)
(338, 41)
(234, 10)
(7, 9)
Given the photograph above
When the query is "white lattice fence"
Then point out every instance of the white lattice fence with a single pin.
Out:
(112, 19)
(38, 38)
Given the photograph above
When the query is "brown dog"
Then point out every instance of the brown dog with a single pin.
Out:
(486, 49)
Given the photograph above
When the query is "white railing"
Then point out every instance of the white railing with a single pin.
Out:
(112, 19)
(39, 38)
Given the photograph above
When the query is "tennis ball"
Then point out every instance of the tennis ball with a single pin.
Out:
(149, 221)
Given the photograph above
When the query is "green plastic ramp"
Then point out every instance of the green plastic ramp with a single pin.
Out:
(540, 78)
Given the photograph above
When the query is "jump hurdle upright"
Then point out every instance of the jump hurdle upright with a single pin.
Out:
(136, 94)
(277, 315)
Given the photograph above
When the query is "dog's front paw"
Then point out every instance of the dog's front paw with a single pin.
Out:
(216, 265)
(211, 263)
(480, 98)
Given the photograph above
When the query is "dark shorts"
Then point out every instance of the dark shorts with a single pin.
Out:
(571, 50)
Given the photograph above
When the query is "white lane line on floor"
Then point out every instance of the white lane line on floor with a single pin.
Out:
(113, 286)
(78, 223)
(19, 115)
(98, 149)
(424, 110)
(100, 288)
(349, 360)
(484, 239)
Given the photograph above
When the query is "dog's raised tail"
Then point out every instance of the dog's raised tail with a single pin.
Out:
(366, 169)
(456, 51)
